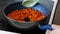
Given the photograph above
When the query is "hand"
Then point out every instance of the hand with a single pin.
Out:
(56, 29)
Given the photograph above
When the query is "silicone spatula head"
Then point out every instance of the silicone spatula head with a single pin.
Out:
(29, 3)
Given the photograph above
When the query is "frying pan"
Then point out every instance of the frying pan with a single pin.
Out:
(23, 25)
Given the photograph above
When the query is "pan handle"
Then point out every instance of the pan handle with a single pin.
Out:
(46, 27)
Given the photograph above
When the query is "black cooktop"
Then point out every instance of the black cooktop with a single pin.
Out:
(8, 27)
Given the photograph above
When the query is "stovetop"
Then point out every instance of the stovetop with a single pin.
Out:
(7, 27)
